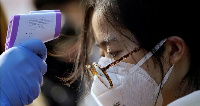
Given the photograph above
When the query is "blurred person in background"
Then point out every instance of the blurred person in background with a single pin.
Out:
(3, 29)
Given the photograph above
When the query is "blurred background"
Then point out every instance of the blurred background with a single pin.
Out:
(60, 62)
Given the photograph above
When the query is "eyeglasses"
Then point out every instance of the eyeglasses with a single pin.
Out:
(94, 69)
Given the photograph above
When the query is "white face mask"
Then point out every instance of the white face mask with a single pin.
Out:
(132, 85)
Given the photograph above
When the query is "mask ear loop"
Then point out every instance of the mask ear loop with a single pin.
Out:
(147, 56)
(160, 86)
(165, 78)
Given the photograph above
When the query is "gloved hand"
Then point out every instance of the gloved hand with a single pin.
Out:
(21, 71)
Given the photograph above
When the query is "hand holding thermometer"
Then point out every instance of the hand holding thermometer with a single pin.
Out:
(44, 25)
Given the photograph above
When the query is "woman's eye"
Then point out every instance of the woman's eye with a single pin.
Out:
(112, 54)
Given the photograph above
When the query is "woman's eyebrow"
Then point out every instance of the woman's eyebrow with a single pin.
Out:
(107, 40)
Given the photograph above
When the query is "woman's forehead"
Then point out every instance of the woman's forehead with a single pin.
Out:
(101, 27)
(99, 21)
(104, 31)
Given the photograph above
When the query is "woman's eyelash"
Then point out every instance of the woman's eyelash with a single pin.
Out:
(113, 54)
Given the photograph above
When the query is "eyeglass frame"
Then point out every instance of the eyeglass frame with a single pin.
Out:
(94, 69)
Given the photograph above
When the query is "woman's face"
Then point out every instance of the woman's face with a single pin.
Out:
(113, 44)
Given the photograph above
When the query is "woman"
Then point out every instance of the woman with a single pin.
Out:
(148, 52)
(120, 26)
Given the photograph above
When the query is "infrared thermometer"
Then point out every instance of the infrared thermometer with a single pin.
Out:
(44, 25)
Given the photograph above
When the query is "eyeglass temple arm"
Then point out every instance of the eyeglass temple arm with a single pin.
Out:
(120, 59)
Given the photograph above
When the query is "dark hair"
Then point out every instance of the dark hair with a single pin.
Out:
(150, 21)
(40, 3)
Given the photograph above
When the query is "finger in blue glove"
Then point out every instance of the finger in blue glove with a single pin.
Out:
(21, 69)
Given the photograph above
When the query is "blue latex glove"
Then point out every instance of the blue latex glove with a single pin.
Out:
(21, 71)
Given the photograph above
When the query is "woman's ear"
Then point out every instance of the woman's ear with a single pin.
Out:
(176, 48)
